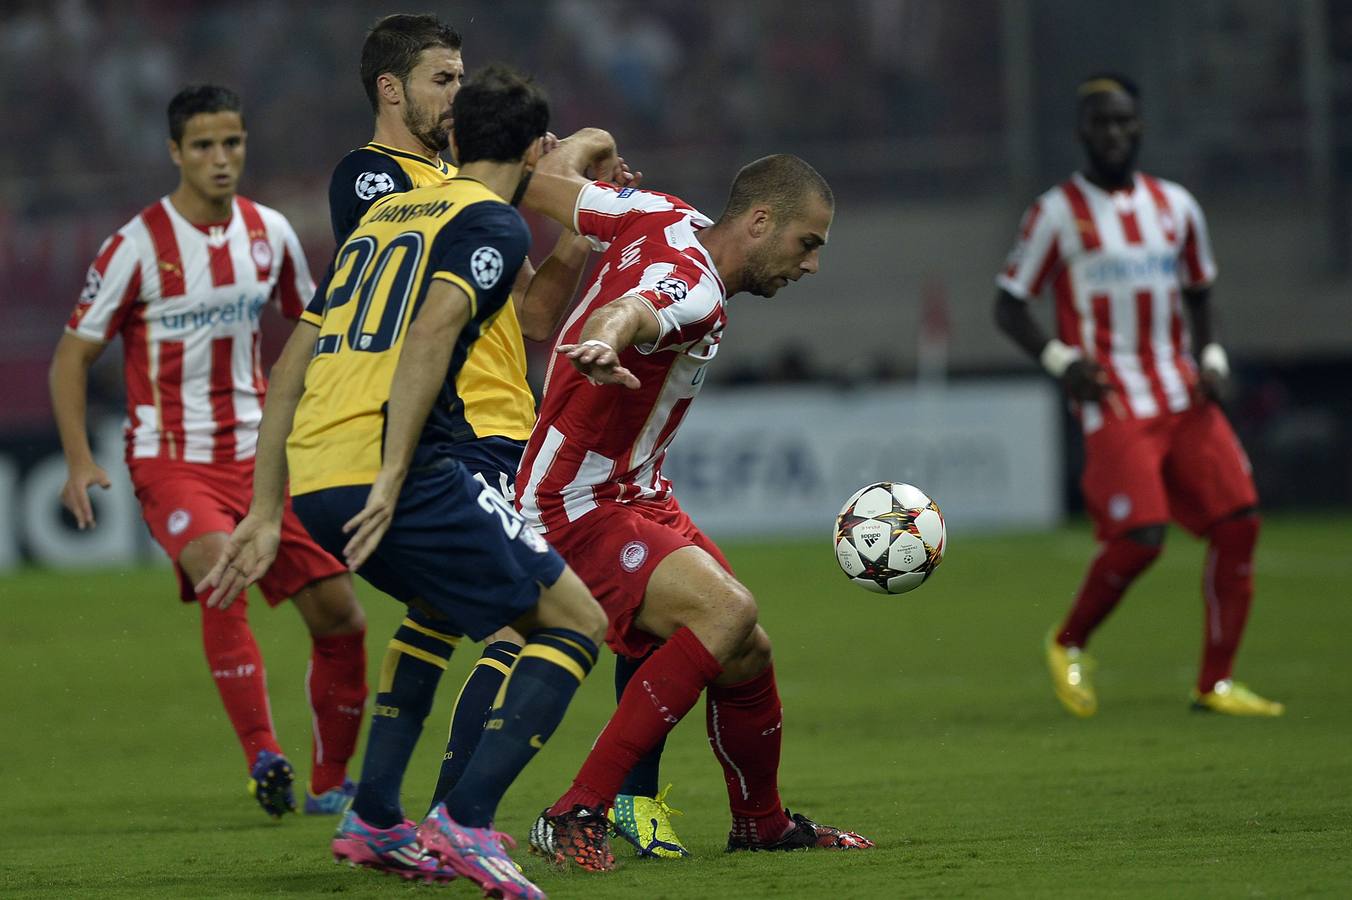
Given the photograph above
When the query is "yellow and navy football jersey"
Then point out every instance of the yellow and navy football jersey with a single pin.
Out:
(492, 395)
(459, 232)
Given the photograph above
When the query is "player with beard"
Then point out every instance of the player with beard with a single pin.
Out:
(628, 364)
(1125, 254)
(363, 421)
(411, 69)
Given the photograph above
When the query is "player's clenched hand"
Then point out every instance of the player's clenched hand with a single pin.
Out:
(1085, 380)
(75, 493)
(246, 557)
(625, 177)
(369, 526)
(614, 170)
(1213, 386)
(599, 362)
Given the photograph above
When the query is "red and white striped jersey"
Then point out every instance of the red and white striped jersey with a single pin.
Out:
(606, 442)
(1116, 262)
(186, 301)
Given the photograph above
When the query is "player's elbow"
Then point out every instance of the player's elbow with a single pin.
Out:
(70, 361)
(1008, 312)
(536, 327)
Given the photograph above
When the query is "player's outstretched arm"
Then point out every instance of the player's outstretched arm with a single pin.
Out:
(68, 381)
(561, 173)
(253, 545)
(418, 378)
(614, 327)
(545, 294)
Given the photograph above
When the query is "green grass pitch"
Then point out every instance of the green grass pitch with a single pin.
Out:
(924, 721)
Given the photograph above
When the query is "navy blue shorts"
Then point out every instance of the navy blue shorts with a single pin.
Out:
(494, 459)
(455, 551)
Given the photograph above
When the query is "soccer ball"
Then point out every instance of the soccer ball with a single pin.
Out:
(889, 537)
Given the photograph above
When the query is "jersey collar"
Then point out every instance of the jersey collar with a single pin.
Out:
(220, 230)
(440, 164)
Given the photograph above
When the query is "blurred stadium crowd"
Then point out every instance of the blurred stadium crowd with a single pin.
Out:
(935, 121)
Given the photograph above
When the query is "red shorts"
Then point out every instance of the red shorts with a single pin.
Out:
(182, 501)
(614, 550)
(1186, 466)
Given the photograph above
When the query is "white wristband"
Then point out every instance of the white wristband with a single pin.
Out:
(1057, 356)
(1213, 359)
(595, 343)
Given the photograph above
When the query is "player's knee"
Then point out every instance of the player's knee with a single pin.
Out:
(721, 615)
(568, 603)
(742, 614)
(330, 606)
(348, 616)
(592, 621)
(200, 554)
(1148, 536)
(1239, 531)
(753, 657)
(1131, 557)
(723, 607)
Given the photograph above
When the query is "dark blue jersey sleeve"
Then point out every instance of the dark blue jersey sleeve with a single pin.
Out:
(314, 310)
(360, 179)
(480, 251)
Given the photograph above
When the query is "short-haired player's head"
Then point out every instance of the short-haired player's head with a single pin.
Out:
(783, 207)
(413, 66)
(499, 115)
(1108, 123)
(196, 99)
(206, 139)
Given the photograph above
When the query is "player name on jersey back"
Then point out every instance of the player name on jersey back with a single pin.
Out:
(459, 232)
(393, 211)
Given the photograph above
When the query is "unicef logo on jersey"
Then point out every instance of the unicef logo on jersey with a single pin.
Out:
(373, 184)
(486, 264)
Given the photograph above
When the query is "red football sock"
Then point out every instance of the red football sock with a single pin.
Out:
(1227, 588)
(661, 692)
(1110, 574)
(746, 729)
(335, 685)
(237, 668)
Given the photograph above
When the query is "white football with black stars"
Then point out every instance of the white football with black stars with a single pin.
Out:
(890, 537)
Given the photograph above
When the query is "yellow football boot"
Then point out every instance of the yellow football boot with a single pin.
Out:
(645, 822)
(1235, 699)
(1070, 668)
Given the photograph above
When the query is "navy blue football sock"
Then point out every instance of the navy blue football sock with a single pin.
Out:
(642, 778)
(471, 712)
(547, 673)
(414, 660)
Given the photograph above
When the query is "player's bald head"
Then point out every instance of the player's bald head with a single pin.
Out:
(394, 43)
(783, 183)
